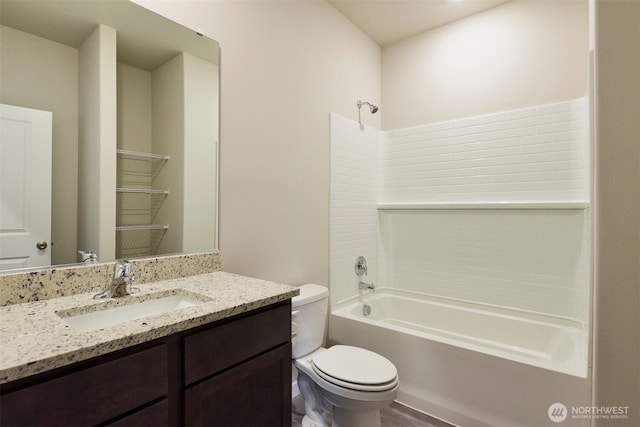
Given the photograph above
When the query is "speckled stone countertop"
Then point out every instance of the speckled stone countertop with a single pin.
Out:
(38, 284)
(34, 338)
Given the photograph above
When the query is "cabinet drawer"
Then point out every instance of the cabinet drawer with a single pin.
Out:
(256, 393)
(210, 351)
(90, 395)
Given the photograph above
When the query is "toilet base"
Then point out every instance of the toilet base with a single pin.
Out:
(308, 422)
(324, 408)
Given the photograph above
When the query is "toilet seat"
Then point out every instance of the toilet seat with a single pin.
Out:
(347, 395)
(355, 368)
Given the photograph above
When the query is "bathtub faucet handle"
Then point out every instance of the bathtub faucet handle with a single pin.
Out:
(361, 266)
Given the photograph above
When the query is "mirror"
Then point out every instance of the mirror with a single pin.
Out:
(135, 112)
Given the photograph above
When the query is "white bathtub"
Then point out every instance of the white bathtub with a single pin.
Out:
(550, 342)
(466, 362)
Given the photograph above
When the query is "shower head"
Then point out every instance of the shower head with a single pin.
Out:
(372, 108)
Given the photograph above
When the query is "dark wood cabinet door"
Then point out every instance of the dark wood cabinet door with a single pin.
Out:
(256, 393)
(216, 349)
(91, 395)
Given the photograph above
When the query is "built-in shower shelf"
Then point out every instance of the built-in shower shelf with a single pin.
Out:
(141, 227)
(141, 190)
(484, 205)
(140, 155)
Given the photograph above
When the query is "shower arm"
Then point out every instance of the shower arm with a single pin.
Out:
(372, 108)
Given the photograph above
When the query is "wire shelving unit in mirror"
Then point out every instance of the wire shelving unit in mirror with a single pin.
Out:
(138, 203)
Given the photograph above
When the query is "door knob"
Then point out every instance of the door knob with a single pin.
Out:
(42, 245)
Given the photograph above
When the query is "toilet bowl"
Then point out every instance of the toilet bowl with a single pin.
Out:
(342, 386)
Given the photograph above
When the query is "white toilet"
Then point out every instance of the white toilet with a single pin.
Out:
(342, 386)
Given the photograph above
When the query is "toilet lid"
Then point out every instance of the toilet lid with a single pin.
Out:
(355, 368)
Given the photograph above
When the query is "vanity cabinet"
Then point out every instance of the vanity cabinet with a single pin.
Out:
(250, 394)
(222, 392)
(234, 372)
(90, 393)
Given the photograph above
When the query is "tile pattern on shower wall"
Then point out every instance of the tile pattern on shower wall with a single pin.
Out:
(528, 259)
(532, 154)
(534, 260)
(354, 195)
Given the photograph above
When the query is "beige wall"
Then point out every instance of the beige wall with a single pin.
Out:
(97, 143)
(519, 54)
(134, 108)
(617, 306)
(134, 133)
(168, 139)
(201, 135)
(285, 66)
(41, 74)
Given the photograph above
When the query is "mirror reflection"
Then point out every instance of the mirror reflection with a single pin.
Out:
(109, 144)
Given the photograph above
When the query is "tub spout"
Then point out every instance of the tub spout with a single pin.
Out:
(366, 286)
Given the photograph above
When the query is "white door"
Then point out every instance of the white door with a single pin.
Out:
(25, 187)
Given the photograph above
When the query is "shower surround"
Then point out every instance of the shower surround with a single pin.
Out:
(490, 210)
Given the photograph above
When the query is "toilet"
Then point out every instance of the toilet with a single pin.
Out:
(342, 386)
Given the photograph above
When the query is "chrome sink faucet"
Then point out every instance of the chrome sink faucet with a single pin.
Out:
(88, 257)
(121, 282)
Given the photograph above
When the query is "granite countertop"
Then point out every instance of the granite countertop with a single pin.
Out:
(33, 338)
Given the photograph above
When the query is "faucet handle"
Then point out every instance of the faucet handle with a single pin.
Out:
(361, 266)
(122, 268)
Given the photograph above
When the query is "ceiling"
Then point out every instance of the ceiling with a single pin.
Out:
(387, 21)
(145, 39)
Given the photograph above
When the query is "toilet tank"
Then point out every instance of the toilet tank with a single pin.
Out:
(308, 319)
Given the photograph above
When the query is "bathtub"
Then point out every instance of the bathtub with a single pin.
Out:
(463, 361)
(549, 342)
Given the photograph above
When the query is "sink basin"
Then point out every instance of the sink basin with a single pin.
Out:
(116, 311)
